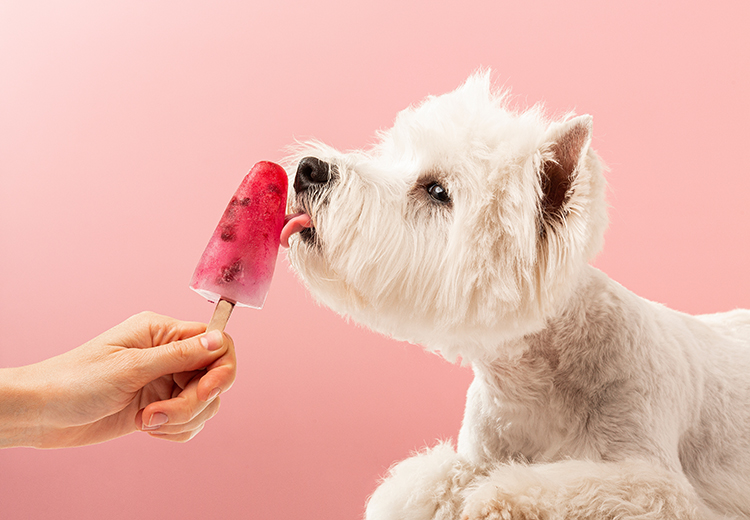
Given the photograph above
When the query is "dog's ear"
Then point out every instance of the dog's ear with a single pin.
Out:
(565, 147)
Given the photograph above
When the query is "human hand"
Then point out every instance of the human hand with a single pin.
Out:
(150, 373)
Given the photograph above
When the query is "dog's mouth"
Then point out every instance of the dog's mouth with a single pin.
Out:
(297, 223)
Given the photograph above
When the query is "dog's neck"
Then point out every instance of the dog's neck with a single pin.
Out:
(576, 364)
(584, 325)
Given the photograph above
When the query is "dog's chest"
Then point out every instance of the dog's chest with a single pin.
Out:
(526, 409)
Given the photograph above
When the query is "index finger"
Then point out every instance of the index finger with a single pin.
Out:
(148, 329)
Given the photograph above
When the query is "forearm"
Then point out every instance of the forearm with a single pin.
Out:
(20, 408)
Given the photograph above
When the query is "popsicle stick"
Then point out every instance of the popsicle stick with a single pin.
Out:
(221, 315)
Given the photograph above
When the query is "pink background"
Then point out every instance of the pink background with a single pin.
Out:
(126, 126)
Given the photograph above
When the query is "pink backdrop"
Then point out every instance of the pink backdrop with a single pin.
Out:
(126, 126)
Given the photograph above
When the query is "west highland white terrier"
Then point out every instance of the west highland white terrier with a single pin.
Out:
(468, 229)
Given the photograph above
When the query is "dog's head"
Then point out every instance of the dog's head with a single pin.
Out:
(465, 226)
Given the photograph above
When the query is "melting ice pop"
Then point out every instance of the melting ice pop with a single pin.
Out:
(238, 263)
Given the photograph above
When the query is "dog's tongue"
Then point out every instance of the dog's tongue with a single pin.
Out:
(294, 224)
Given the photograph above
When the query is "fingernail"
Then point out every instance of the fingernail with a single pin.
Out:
(212, 340)
(214, 393)
(157, 420)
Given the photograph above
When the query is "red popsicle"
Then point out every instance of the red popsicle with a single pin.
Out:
(237, 266)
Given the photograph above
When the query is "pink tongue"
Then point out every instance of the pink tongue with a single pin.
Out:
(294, 224)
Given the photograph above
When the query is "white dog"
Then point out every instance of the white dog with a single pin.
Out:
(468, 229)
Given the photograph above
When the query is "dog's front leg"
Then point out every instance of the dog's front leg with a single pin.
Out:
(427, 486)
(584, 490)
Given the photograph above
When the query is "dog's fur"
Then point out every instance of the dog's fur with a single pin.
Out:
(588, 401)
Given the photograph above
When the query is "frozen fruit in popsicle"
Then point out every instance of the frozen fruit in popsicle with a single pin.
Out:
(239, 260)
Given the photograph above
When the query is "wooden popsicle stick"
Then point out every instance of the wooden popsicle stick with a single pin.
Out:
(221, 315)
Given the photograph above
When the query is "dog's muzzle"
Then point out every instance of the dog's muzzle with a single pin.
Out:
(312, 174)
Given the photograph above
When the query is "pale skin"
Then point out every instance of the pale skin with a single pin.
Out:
(150, 373)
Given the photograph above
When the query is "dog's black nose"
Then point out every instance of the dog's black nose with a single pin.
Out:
(311, 171)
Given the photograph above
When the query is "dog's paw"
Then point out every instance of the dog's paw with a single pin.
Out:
(427, 486)
(490, 502)
(511, 492)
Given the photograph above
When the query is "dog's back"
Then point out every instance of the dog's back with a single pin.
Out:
(733, 324)
(715, 453)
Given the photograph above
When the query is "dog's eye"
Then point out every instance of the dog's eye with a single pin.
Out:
(437, 192)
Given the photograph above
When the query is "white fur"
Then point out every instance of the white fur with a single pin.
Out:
(588, 401)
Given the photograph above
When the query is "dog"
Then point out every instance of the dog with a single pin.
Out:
(468, 229)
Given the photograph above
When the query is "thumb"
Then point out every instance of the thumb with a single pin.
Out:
(182, 356)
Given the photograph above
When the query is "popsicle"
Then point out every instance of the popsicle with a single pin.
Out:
(237, 265)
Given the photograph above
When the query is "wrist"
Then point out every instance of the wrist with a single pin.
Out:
(21, 405)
